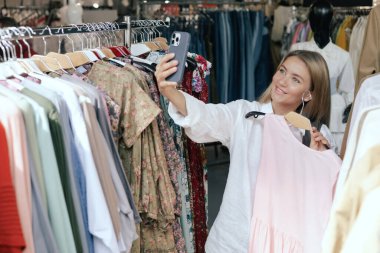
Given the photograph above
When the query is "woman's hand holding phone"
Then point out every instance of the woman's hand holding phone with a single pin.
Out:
(164, 69)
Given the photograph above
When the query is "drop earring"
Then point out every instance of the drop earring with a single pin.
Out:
(303, 101)
(303, 104)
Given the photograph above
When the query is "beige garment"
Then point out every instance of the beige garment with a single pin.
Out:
(368, 220)
(346, 210)
(369, 62)
(95, 133)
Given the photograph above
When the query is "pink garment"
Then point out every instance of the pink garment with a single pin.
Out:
(297, 33)
(294, 192)
(12, 120)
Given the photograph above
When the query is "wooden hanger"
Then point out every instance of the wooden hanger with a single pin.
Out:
(46, 64)
(297, 120)
(61, 59)
(78, 58)
(152, 45)
(108, 52)
(163, 43)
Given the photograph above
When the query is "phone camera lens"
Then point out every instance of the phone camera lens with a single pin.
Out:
(177, 39)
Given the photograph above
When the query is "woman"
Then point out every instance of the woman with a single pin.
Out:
(301, 82)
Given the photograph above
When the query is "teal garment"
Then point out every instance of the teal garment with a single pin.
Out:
(60, 223)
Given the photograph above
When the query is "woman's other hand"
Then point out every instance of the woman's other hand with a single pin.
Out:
(318, 141)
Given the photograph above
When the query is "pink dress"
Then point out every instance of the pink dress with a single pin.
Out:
(294, 192)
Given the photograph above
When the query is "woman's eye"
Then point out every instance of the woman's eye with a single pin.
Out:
(296, 80)
(281, 70)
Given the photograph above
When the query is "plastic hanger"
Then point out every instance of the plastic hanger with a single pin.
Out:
(29, 30)
(296, 119)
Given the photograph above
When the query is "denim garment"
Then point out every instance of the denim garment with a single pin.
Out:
(264, 69)
(249, 61)
(220, 52)
(243, 54)
(233, 56)
(256, 45)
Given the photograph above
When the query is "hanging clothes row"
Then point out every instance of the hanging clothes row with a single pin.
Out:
(94, 162)
(347, 28)
(26, 15)
(228, 34)
(240, 40)
(353, 221)
(299, 35)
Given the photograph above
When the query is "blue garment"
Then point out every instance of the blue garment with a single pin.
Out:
(256, 43)
(265, 67)
(243, 54)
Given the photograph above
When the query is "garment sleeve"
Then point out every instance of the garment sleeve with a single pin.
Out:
(325, 131)
(206, 122)
(370, 55)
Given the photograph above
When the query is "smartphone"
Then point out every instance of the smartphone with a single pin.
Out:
(179, 45)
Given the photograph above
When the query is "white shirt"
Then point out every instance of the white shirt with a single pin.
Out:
(227, 123)
(367, 97)
(356, 41)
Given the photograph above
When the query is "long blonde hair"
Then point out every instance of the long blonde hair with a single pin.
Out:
(318, 108)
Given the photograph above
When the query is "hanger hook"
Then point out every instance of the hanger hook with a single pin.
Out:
(17, 32)
(46, 28)
(59, 38)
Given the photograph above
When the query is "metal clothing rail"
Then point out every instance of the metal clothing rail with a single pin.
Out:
(28, 32)
(202, 2)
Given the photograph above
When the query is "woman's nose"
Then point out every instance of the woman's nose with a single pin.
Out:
(283, 80)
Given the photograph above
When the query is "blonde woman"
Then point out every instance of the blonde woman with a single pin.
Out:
(301, 84)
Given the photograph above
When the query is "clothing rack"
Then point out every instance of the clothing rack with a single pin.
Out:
(20, 32)
(198, 3)
(361, 10)
(203, 2)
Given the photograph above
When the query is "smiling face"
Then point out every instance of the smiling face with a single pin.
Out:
(291, 82)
